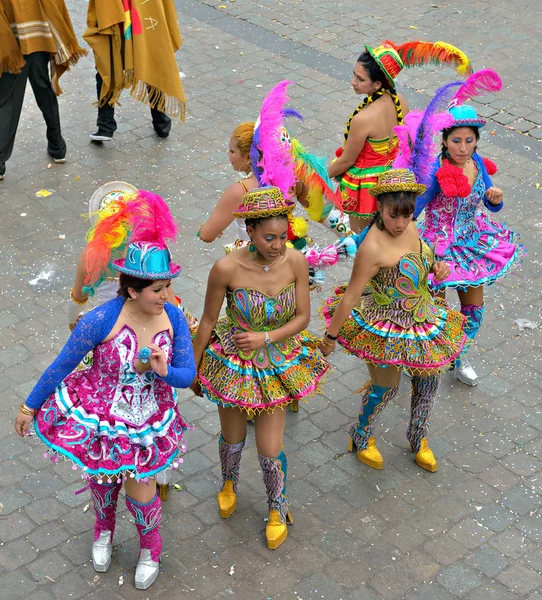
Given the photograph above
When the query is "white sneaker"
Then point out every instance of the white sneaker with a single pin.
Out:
(101, 552)
(100, 137)
(466, 374)
(147, 570)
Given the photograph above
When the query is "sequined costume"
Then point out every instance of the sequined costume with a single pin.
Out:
(271, 376)
(478, 250)
(376, 156)
(110, 419)
(399, 323)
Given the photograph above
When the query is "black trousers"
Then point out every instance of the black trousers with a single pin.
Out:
(106, 116)
(12, 88)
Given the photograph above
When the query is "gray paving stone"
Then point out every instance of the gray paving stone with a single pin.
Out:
(520, 579)
(15, 586)
(445, 550)
(51, 565)
(459, 579)
(488, 561)
(495, 517)
(318, 586)
(16, 554)
(521, 500)
(429, 591)
(470, 533)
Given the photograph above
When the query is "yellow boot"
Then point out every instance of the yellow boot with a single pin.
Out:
(294, 406)
(425, 457)
(276, 530)
(227, 500)
(369, 456)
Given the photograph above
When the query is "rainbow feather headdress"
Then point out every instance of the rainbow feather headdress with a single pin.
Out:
(281, 160)
(142, 217)
(416, 137)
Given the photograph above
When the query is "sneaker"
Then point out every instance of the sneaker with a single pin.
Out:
(97, 136)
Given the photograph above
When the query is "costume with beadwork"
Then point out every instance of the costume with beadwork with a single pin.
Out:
(398, 323)
(377, 155)
(277, 373)
(268, 377)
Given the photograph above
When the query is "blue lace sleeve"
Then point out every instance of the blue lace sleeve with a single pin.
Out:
(182, 369)
(88, 333)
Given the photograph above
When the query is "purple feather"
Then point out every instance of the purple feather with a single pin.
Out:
(291, 112)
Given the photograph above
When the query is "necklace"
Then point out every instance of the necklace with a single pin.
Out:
(144, 327)
(265, 267)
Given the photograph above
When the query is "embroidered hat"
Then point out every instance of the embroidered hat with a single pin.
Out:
(466, 116)
(114, 190)
(397, 180)
(388, 59)
(147, 260)
(263, 202)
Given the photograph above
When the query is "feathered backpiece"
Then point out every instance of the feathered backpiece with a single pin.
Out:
(415, 54)
(271, 161)
(312, 171)
(142, 217)
(479, 83)
(416, 136)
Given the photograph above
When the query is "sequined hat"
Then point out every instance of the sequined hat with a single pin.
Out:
(388, 59)
(263, 202)
(397, 180)
(466, 116)
(147, 260)
(114, 190)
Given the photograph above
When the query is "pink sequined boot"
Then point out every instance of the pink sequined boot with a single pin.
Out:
(105, 498)
(148, 517)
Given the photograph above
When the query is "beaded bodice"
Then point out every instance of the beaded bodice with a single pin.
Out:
(252, 310)
(403, 288)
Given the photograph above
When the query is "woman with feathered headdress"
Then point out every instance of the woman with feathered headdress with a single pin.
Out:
(478, 250)
(370, 145)
(118, 420)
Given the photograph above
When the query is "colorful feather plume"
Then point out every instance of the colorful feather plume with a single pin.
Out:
(312, 171)
(416, 136)
(415, 54)
(479, 83)
(271, 160)
(141, 217)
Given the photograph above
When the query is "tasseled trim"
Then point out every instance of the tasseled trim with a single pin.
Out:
(453, 182)
(12, 63)
(491, 167)
(157, 99)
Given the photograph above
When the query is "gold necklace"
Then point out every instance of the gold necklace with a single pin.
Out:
(144, 327)
(265, 267)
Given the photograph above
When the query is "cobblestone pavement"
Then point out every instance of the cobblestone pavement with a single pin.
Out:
(473, 529)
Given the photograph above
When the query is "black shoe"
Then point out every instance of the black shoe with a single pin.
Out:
(161, 134)
(99, 136)
(2, 170)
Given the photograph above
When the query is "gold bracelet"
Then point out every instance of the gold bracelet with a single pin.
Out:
(26, 410)
(80, 302)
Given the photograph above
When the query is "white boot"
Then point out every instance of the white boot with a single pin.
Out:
(466, 374)
(147, 570)
(101, 552)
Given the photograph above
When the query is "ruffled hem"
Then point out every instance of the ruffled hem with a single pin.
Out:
(371, 341)
(99, 455)
(230, 381)
(464, 284)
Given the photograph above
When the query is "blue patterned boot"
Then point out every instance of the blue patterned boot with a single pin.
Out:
(274, 476)
(230, 457)
(463, 368)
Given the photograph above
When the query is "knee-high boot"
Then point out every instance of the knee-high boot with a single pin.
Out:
(274, 476)
(148, 518)
(230, 457)
(105, 498)
(424, 392)
(463, 368)
(373, 401)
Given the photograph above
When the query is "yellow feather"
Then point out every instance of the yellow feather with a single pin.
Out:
(300, 227)
(315, 198)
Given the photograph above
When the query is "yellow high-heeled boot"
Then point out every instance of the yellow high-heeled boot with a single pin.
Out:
(276, 530)
(425, 457)
(274, 475)
(369, 456)
(294, 406)
(230, 457)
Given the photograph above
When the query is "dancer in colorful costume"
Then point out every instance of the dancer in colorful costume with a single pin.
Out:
(370, 145)
(259, 356)
(134, 44)
(313, 189)
(119, 418)
(478, 250)
(398, 324)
